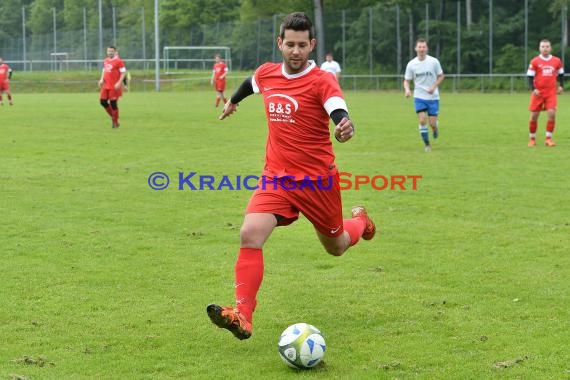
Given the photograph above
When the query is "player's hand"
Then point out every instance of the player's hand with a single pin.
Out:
(535, 92)
(229, 108)
(407, 93)
(344, 130)
(560, 90)
(100, 83)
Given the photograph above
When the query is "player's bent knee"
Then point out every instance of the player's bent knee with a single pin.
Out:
(114, 104)
(251, 237)
(104, 103)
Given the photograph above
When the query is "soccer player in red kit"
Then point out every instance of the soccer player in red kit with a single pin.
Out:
(5, 75)
(542, 73)
(299, 99)
(218, 80)
(111, 83)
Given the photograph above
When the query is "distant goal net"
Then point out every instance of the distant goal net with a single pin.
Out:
(178, 59)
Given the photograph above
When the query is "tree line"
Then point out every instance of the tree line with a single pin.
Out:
(368, 36)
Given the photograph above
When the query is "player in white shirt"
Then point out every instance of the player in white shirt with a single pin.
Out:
(331, 66)
(427, 75)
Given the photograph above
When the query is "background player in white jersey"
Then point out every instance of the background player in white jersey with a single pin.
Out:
(331, 66)
(427, 75)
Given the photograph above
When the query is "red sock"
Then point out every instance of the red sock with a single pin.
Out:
(550, 126)
(115, 115)
(109, 110)
(249, 274)
(355, 227)
(532, 126)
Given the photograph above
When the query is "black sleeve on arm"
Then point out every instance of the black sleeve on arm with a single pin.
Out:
(10, 74)
(561, 80)
(530, 82)
(244, 90)
(338, 114)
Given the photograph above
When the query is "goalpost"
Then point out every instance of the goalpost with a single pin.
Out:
(180, 58)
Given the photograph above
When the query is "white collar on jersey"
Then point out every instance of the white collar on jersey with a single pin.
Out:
(547, 58)
(311, 66)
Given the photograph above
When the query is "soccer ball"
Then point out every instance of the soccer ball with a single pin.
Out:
(301, 346)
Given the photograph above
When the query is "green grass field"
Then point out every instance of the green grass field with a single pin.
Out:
(104, 278)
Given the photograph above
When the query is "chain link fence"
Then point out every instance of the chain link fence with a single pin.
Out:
(368, 43)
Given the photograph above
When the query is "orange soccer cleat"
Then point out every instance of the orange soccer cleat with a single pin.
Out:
(531, 143)
(549, 142)
(370, 229)
(230, 319)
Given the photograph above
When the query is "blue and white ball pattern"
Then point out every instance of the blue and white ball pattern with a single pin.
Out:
(302, 346)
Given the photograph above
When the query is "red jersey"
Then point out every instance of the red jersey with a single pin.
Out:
(298, 108)
(4, 72)
(219, 69)
(545, 72)
(113, 68)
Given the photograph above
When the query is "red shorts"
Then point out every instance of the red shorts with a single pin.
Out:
(4, 86)
(543, 102)
(318, 200)
(110, 94)
(220, 85)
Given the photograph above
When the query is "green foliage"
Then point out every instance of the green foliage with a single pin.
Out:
(250, 10)
(41, 15)
(511, 60)
(366, 40)
(10, 25)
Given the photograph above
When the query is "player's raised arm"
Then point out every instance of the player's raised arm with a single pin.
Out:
(244, 90)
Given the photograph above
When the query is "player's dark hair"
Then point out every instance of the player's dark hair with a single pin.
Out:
(112, 47)
(299, 22)
(544, 40)
(421, 40)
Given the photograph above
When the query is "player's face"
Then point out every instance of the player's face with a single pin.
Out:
(295, 48)
(111, 52)
(421, 49)
(545, 48)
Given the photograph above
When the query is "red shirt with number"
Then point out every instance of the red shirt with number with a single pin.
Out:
(220, 69)
(298, 108)
(4, 80)
(113, 68)
(4, 72)
(545, 71)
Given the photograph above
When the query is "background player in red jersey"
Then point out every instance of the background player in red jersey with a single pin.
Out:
(111, 83)
(5, 75)
(299, 100)
(542, 73)
(218, 80)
